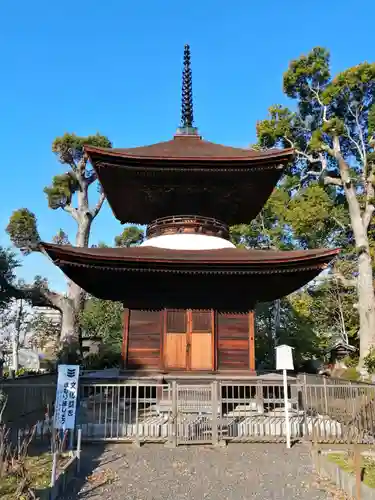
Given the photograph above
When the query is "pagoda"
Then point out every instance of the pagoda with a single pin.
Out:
(188, 293)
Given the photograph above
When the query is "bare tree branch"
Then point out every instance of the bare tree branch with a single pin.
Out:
(317, 97)
(40, 296)
(91, 178)
(72, 211)
(94, 212)
(339, 223)
(357, 146)
(329, 150)
(361, 149)
(367, 215)
(308, 157)
(335, 181)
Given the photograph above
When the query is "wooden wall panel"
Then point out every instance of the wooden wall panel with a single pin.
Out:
(233, 341)
(144, 337)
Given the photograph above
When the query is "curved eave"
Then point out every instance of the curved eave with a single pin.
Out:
(226, 259)
(143, 281)
(121, 159)
(229, 187)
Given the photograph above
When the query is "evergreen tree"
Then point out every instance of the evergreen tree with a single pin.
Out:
(332, 131)
(68, 192)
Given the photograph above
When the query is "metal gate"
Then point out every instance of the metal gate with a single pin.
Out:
(195, 413)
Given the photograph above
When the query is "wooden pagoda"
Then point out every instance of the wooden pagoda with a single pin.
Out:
(188, 293)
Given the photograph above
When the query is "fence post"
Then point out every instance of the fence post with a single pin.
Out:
(136, 441)
(173, 424)
(54, 468)
(325, 396)
(305, 405)
(358, 472)
(79, 442)
(259, 397)
(215, 421)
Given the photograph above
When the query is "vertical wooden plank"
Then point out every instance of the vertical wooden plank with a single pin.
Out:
(125, 338)
(176, 351)
(201, 352)
(163, 320)
(214, 341)
(233, 332)
(188, 338)
(175, 339)
(252, 340)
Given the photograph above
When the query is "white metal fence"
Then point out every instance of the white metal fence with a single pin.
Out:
(220, 411)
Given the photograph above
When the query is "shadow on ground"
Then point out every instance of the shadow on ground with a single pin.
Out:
(90, 477)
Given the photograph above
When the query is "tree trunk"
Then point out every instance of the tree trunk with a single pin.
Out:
(366, 305)
(16, 338)
(83, 231)
(365, 285)
(74, 303)
(68, 324)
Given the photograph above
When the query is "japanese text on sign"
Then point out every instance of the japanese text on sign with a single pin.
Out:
(66, 396)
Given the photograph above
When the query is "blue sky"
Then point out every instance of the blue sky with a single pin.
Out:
(115, 67)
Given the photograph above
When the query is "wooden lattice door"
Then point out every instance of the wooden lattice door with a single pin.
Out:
(189, 340)
(175, 341)
(201, 340)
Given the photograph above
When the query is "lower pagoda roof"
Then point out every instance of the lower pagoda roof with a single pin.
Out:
(152, 278)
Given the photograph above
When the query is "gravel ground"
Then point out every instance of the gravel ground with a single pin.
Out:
(238, 472)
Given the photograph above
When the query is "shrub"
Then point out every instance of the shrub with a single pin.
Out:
(351, 361)
(102, 360)
(351, 374)
(369, 361)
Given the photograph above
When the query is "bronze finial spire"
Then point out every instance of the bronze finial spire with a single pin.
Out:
(187, 116)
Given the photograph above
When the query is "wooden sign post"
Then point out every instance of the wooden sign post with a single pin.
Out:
(284, 362)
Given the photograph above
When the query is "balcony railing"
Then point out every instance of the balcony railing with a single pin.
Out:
(191, 224)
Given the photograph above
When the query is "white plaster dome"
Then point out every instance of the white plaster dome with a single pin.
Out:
(188, 241)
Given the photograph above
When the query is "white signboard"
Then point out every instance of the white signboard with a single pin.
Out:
(284, 357)
(66, 396)
(284, 362)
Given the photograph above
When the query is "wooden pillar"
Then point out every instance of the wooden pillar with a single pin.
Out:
(214, 340)
(125, 338)
(163, 330)
(252, 340)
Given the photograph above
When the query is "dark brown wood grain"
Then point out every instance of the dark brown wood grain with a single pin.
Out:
(125, 338)
(233, 341)
(144, 338)
(252, 340)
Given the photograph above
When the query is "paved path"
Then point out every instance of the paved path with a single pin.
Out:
(238, 472)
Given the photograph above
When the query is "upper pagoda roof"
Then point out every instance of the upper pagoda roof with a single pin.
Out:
(191, 149)
(155, 277)
(187, 175)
